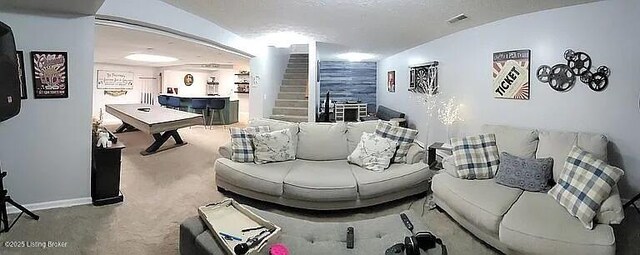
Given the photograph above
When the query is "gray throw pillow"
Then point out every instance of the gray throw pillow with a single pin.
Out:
(528, 174)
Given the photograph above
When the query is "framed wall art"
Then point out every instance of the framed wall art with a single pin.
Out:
(50, 74)
(391, 81)
(424, 78)
(511, 74)
(114, 80)
(21, 74)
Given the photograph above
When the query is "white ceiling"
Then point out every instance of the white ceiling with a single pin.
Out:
(381, 27)
(81, 7)
(114, 43)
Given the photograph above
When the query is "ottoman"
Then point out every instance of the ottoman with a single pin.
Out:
(372, 236)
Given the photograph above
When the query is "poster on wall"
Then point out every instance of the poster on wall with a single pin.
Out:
(412, 80)
(21, 74)
(391, 81)
(511, 74)
(114, 80)
(50, 76)
(424, 78)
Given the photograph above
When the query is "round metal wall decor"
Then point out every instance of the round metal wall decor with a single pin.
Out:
(562, 77)
(598, 82)
(543, 73)
(580, 63)
(188, 79)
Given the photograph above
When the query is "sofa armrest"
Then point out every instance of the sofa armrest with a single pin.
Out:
(415, 154)
(611, 211)
(225, 150)
(449, 166)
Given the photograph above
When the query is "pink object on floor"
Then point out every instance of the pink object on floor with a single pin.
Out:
(278, 249)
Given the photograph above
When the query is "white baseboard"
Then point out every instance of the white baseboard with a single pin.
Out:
(51, 204)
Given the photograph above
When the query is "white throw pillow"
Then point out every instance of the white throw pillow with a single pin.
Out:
(374, 152)
(274, 146)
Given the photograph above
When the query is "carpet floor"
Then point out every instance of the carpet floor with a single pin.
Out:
(163, 189)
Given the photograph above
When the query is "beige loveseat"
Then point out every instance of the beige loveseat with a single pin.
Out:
(517, 222)
(321, 178)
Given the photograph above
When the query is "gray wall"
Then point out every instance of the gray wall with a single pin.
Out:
(349, 81)
(46, 148)
(607, 31)
(267, 70)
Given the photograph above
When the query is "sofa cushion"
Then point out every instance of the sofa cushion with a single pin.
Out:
(265, 178)
(355, 130)
(320, 181)
(476, 157)
(515, 141)
(275, 125)
(403, 136)
(385, 113)
(373, 152)
(322, 141)
(537, 224)
(557, 144)
(396, 178)
(274, 146)
(242, 144)
(525, 173)
(481, 202)
(584, 184)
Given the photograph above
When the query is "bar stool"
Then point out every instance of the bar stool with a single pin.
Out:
(162, 100)
(174, 102)
(217, 105)
(201, 106)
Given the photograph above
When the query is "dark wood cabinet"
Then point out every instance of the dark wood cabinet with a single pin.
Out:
(105, 174)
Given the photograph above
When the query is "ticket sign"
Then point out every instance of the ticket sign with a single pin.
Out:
(511, 75)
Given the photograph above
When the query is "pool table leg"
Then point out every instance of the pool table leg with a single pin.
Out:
(160, 139)
(125, 127)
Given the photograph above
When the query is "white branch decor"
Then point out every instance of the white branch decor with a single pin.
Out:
(449, 112)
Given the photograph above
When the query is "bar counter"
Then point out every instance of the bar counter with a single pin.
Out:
(230, 110)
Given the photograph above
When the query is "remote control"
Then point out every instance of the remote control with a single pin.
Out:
(406, 221)
(350, 238)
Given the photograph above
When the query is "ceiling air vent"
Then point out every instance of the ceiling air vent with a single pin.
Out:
(458, 18)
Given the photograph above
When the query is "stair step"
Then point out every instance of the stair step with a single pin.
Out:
(291, 111)
(296, 75)
(292, 95)
(298, 65)
(291, 103)
(293, 89)
(295, 82)
(298, 61)
(290, 118)
(297, 70)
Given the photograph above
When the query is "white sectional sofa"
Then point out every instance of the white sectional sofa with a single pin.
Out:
(321, 178)
(517, 222)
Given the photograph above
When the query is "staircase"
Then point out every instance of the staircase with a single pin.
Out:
(292, 103)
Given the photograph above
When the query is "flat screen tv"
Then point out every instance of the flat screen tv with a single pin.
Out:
(9, 79)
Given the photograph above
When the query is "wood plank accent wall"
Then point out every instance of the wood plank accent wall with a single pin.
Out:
(349, 81)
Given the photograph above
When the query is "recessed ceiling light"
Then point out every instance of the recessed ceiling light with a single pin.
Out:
(355, 56)
(150, 58)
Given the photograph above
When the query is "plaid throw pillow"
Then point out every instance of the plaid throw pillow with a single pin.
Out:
(241, 142)
(403, 136)
(476, 157)
(584, 184)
